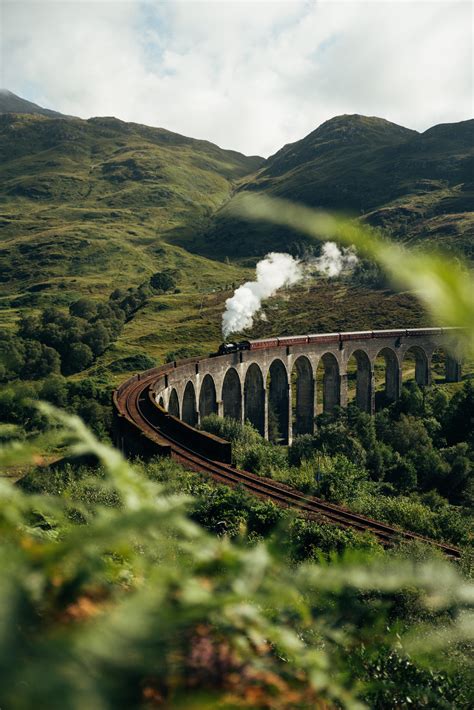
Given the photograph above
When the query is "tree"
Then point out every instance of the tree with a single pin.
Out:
(162, 281)
(51, 315)
(402, 474)
(118, 294)
(83, 308)
(54, 390)
(97, 338)
(12, 356)
(40, 360)
(29, 327)
(78, 358)
(459, 420)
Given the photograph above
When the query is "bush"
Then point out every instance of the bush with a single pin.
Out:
(111, 574)
(162, 281)
(17, 406)
(132, 362)
(80, 357)
(83, 308)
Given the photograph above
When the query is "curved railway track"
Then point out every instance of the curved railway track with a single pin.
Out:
(134, 402)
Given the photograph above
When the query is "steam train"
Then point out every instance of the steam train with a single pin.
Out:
(227, 348)
(340, 338)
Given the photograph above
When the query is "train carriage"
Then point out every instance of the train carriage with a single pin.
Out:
(356, 335)
(293, 340)
(423, 331)
(397, 333)
(323, 338)
(263, 344)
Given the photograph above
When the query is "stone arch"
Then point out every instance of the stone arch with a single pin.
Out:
(445, 366)
(390, 391)
(161, 402)
(278, 402)
(303, 396)
(232, 395)
(331, 387)
(439, 365)
(363, 377)
(207, 397)
(254, 398)
(189, 405)
(422, 370)
(173, 404)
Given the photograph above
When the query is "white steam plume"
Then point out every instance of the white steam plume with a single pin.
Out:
(274, 272)
(334, 260)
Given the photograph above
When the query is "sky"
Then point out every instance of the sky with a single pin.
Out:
(251, 76)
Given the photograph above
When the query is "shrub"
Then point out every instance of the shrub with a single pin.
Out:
(80, 357)
(162, 281)
(141, 361)
(83, 308)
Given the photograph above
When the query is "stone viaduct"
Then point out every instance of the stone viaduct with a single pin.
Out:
(291, 377)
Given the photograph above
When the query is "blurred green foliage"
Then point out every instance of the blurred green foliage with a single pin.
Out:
(117, 599)
(112, 594)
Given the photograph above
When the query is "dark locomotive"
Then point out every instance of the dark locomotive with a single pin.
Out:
(227, 348)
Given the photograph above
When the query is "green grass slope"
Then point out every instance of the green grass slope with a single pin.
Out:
(91, 205)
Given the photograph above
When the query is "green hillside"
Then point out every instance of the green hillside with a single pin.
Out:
(91, 206)
(95, 204)
(417, 186)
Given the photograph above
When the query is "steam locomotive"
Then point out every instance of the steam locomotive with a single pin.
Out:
(227, 348)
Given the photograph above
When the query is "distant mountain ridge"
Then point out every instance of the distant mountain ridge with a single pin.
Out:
(349, 130)
(333, 165)
(416, 185)
(11, 103)
(63, 175)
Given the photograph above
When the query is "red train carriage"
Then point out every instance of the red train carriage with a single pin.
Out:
(424, 331)
(356, 335)
(323, 338)
(293, 340)
(400, 333)
(263, 344)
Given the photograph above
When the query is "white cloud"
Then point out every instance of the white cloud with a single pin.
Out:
(246, 75)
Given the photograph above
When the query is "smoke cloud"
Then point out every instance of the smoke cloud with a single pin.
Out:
(273, 272)
(333, 261)
(276, 271)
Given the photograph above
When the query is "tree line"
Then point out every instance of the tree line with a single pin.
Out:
(55, 341)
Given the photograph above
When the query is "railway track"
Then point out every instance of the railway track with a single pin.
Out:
(135, 402)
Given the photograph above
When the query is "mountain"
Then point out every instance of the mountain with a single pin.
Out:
(91, 205)
(415, 185)
(101, 198)
(11, 103)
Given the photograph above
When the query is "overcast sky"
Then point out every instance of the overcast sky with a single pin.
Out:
(246, 75)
